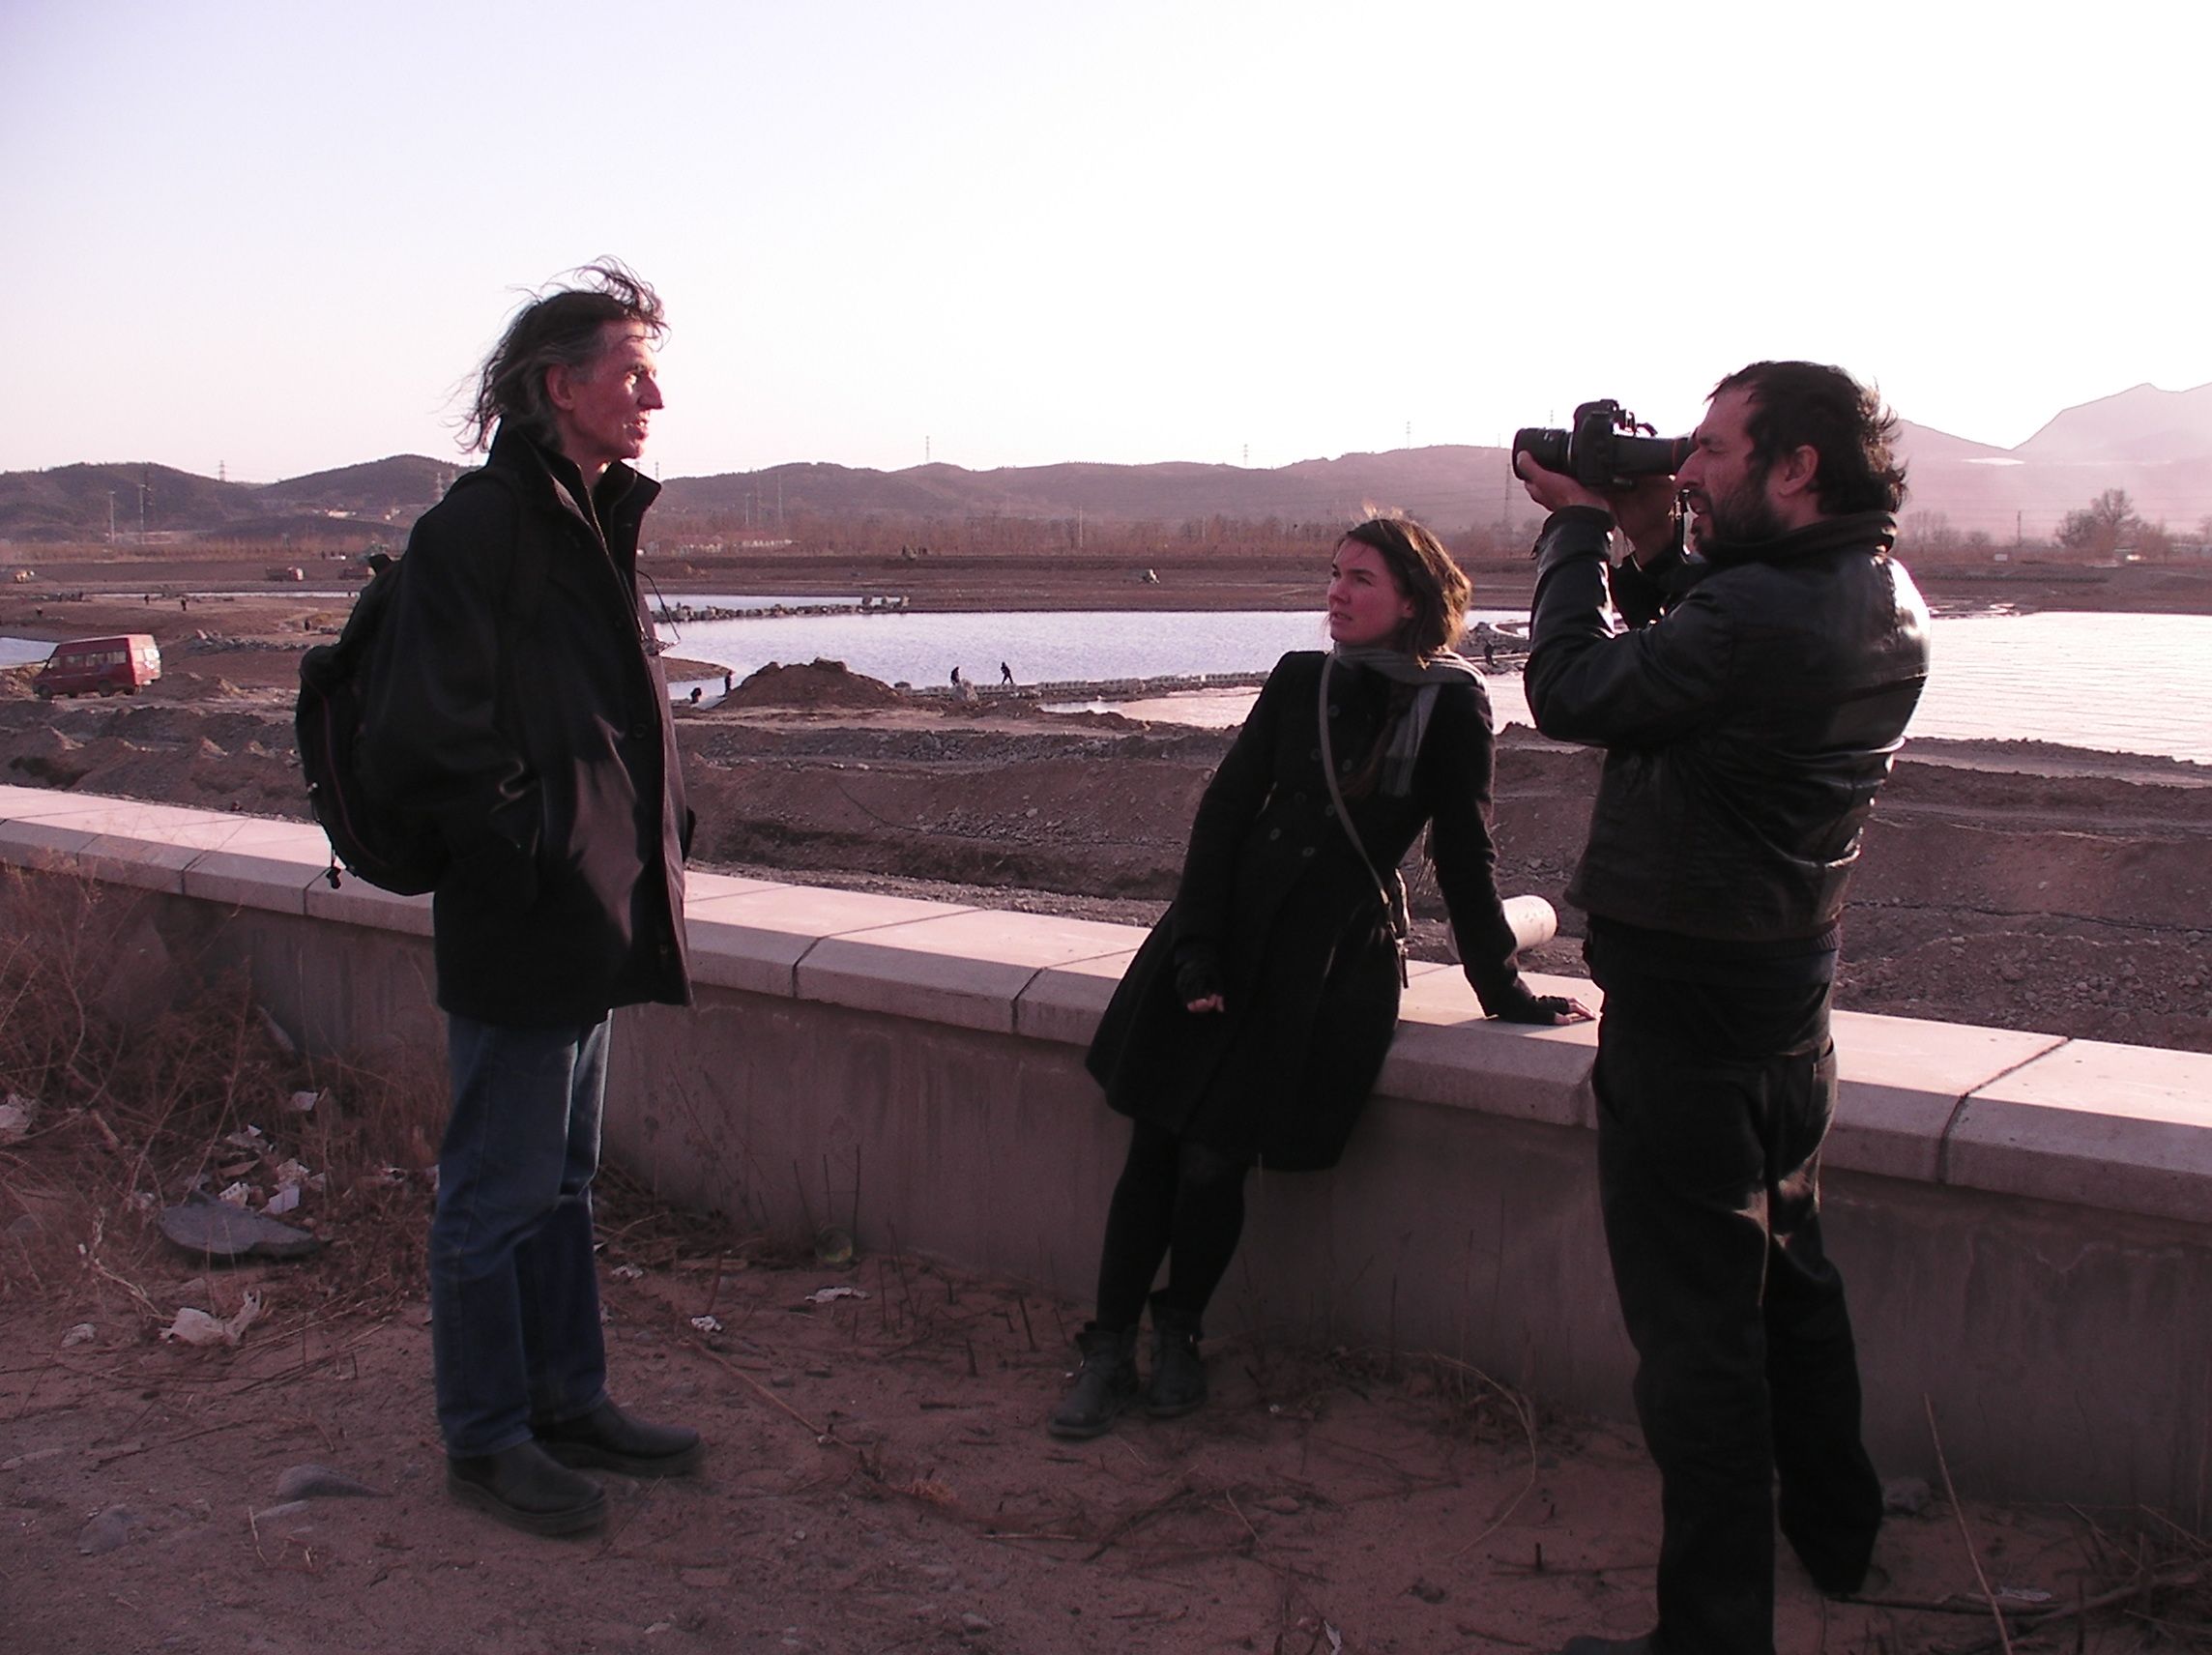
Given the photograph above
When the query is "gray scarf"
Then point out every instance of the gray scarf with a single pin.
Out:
(1404, 736)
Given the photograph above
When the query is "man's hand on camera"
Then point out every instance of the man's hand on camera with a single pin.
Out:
(1554, 490)
(1645, 512)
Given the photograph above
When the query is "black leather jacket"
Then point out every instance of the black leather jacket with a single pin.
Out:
(1747, 728)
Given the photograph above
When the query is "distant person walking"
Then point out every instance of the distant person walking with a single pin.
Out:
(568, 828)
(1006, 673)
(1250, 1027)
(956, 678)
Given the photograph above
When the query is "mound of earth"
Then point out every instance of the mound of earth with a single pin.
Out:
(819, 683)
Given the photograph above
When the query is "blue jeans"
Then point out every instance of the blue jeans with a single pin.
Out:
(514, 1293)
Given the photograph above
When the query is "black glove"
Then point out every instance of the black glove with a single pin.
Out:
(1516, 1005)
(1198, 972)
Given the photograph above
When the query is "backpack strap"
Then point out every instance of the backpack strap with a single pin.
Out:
(522, 595)
(524, 590)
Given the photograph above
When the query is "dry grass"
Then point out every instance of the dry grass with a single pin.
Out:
(143, 1090)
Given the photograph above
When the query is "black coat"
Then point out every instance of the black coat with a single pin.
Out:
(519, 698)
(1309, 970)
(1747, 728)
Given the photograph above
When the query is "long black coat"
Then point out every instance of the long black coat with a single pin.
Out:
(519, 699)
(1309, 968)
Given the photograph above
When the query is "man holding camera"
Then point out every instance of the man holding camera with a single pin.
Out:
(1749, 711)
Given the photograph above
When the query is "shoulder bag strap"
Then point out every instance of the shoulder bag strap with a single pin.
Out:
(1393, 891)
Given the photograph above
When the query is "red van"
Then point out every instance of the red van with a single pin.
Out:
(99, 666)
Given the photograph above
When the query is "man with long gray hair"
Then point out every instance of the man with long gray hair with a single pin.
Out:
(518, 702)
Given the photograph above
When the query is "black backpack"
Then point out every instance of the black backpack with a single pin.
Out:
(373, 837)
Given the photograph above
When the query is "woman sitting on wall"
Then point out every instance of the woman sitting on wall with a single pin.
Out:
(1251, 1024)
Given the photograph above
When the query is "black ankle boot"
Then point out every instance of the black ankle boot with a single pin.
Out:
(526, 1488)
(609, 1439)
(1103, 1384)
(1178, 1382)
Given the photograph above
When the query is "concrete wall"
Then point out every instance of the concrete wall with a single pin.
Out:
(2025, 1221)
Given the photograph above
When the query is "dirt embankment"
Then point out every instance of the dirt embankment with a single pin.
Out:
(2002, 885)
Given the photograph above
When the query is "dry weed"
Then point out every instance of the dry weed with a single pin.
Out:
(2148, 1571)
(637, 1227)
(138, 1093)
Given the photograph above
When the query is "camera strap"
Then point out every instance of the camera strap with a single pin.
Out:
(1393, 890)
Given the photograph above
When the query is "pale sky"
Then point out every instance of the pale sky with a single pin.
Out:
(276, 238)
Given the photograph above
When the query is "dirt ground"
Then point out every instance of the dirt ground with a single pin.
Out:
(878, 1478)
(878, 1481)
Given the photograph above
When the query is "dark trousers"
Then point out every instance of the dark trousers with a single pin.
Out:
(1712, 1102)
(1177, 1200)
(514, 1293)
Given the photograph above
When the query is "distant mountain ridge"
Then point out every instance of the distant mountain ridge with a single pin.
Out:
(2141, 426)
(2155, 443)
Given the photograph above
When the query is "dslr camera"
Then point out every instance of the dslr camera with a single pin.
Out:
(1608, 448)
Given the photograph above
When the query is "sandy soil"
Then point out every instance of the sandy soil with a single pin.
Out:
(878, 1481)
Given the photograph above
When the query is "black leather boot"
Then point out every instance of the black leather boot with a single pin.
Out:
(1178, 1382)
(524, 1487)
(610, 1440)
(1103, 1385)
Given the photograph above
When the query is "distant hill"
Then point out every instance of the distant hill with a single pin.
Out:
(405, 483)
(1450, 486)
(2144, 425)
(361, 501)
(2155, 443)
(78, 501)
(1925, 443)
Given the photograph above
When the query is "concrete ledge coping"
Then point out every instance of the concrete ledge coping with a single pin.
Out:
(242, 860)
(355, 902)
(754, 938)
(272, 873)
(1905, 1082)
(156, 859)
(2121, 1128)
(1064, 1003)
(967, 968)
(1448, 1052)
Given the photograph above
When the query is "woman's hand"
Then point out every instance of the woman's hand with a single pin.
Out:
(1198, 978)
(1548, 1010)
